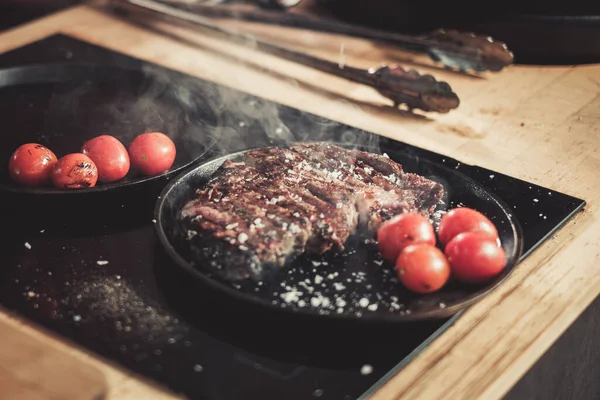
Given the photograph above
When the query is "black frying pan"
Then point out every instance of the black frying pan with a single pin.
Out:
(63, 105)
(360, 271)
(538, 32)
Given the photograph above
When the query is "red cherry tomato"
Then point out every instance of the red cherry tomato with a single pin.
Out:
(31, 164)
(463, 219)
(401, 231)
(422, 268)
(75, 171)
(109, 155)
(152, 153)
(475, 257)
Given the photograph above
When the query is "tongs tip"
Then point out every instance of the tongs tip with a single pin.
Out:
(416, 91)
(469, 51)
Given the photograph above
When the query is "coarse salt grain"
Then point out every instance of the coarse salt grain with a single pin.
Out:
(364, 302)
(291, 296)
(366, 369)
(27, 245)
(242, 237)
(338, 286)
(101, 262)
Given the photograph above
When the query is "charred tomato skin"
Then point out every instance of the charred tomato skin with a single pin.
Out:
(475, 257)
(464, 219)
(422, 268)
(109, 155)
(401, 231)
(152, 153)
(75, 171)
(31, 164)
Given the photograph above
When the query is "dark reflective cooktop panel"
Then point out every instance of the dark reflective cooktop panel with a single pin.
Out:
(97, 278)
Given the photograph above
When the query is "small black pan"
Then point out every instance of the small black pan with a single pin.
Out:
(63, 105)
(356, 285)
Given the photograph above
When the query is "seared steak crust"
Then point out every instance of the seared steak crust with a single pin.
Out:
(281, 202)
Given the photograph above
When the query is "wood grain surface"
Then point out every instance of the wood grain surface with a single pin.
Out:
(536, 123)
(32, 371)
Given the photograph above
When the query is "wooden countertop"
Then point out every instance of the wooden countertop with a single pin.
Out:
(541, 124)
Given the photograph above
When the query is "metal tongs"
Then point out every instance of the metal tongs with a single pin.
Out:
(451, 48)
(407, 87)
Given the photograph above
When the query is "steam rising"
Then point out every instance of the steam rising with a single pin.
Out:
(227, 121)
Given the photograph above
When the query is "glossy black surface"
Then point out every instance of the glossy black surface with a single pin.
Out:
(97, 276)
(356, 284)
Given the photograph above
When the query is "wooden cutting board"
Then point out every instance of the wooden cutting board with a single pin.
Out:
(30, 370)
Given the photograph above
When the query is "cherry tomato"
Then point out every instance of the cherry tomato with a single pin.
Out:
(75, 171)
(109, 155)
(401, 231)
(463, 219)
(422, 268)
(31, 164)
(152, 153)
(475, 257)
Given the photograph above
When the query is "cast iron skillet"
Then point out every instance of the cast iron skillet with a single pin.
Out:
(63, 105)
(538, 32)
(352, 277)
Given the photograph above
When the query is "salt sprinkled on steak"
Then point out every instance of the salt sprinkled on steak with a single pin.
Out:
(278, 203)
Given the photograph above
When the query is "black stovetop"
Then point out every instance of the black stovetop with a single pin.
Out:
(124, 312)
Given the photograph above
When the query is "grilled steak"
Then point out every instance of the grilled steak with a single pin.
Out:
(281, 202)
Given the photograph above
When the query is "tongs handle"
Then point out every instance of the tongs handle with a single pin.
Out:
(461, 50)
(410, 88)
